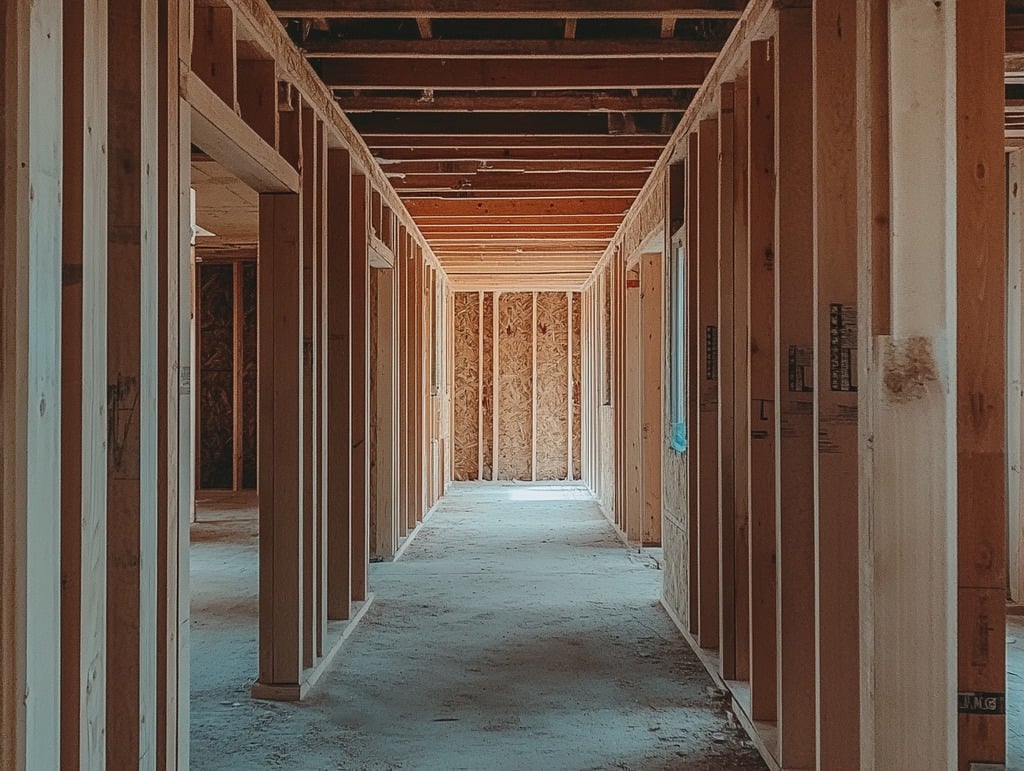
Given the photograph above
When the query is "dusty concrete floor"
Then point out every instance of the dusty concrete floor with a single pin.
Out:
(516, 633)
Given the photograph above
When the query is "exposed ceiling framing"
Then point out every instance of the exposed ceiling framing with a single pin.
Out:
(517, 132)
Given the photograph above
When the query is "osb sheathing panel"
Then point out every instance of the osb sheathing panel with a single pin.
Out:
(487, 375)
(374, 326)
(577, 387)
(216, 376)
(552, 385)
(674, 579)
(466, 407)
(607, 441)
(515, 386)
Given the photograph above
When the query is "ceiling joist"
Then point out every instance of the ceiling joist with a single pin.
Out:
(509, 9)
(653, 48)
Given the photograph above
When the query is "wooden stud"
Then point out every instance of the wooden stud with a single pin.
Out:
(281, 442)
(706, 353)
(495, 387)
(385, 496)
(794, 387)
(214, 51)
(340, 386)
(533, 389)
(30, 296)
(761, 404)
(132, 368)
(310, 480)
(257, 97)
(1015, 372)
(727, 380)
(694, 348)
(480, 385)
(83, 459)
(570, 399)
(908, 513)
(835, 350)
(360, 336)
(981, 387)
(741, 378)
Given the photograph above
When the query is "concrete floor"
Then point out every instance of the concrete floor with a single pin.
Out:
(516, 633)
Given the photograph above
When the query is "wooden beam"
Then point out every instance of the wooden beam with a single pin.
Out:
(511, 180)
(229, 140)
(507, 143)
(340, 386)
(981, 386)
(280, 442)
(567, 48)
(394, 152)
(837, 442)
(694, 347)
(425, 27)
(434, 207)
(706, 353)
(524, 124)
(532, 74)
(761, 410)
(455, 167)
(132, 372)
(360, 336)
(551, 102)
(533, 9)
(569, 194)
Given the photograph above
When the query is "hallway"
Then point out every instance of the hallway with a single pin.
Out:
(515, 633)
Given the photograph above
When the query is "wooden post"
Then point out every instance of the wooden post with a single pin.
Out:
(632, 458)
(480, 332)
(981, 387)
(30, 411)
(741, 377)
(706, 353)
(568, 386)
(794, 387)
(908, 413)
(533, 389)
(174, 429)
(1015, 371)
(132, 370)
(281, 443)
(694, 356)
(726, 299)
(835, 354)
(386, 493)
(310, 480)
(761, 404)
(339, 386)
(214, 55)
(84, 389)
(495, 386)
(652, 338)
(360, 335)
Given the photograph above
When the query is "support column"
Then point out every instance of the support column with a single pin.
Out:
(981, 386)
(360, 334)
(339, 386)
(132, 369)
(694, 349)
(280, 444)
(908, 469)
(794, 389)
(652, 338)
(835, 357)
(761, 404)
(706, 353)
(83, 486)
(30, 411)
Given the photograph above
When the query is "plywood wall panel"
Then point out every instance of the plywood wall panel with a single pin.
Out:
(466, 407)
(515, 402)
(552, 393)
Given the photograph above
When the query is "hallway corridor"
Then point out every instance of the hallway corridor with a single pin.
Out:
(515, 633)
